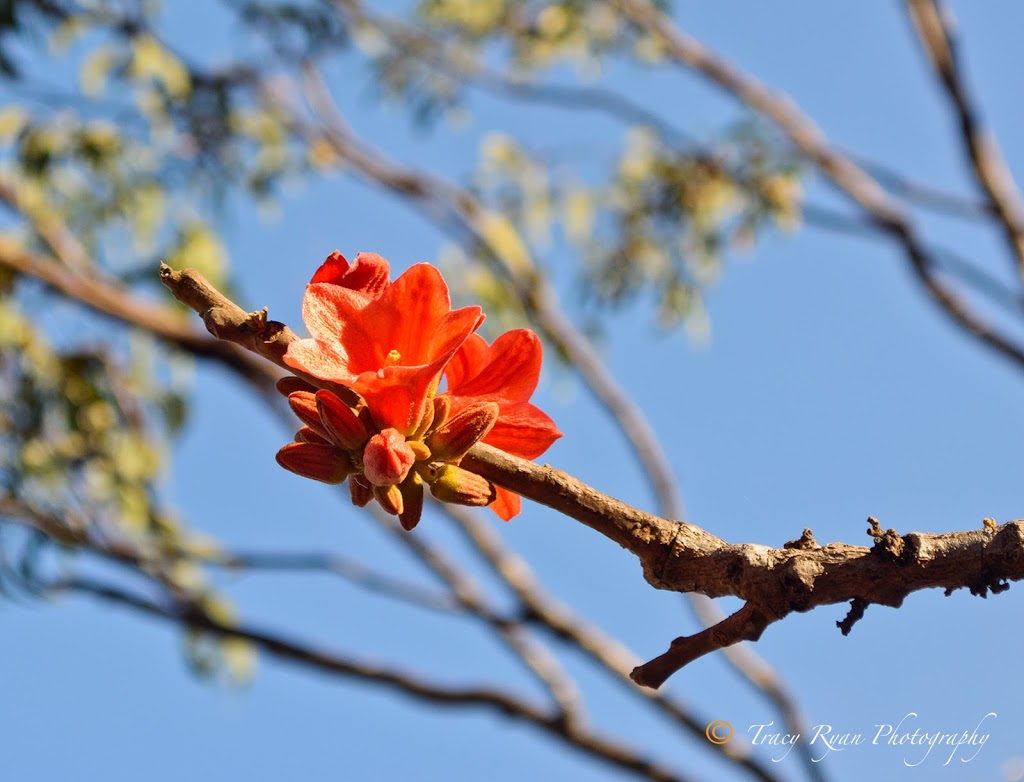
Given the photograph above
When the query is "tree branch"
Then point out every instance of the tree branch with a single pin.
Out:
(682, 557)
(114, 302)
(512, 632)
(934, 25)
(606, 652)
(194, 616)
(840, 170)
(747, 624)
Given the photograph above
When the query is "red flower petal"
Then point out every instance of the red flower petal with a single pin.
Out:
(413, 317)
(327, 310)
(467, 363)
(523, 430)
(369, 273)
(510, 371)
(354, 335)
(317, 359)
(332, 270)
(397, 396)
(506, 504)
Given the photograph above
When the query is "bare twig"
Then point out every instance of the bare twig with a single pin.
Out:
(843, 173)
(607, 652)
(111, 300)
(193, 615)
(344, 567)
(51, 229)
(747, 624)
(512, 632)
(934, 24)
(922, 194)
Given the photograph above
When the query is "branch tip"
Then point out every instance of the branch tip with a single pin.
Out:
(857, 608)
(747, 624)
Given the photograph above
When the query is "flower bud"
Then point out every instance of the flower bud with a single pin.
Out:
(308, 435)
(450, 441)
(390, 499)
(318, 461)
(425, 422)
(289, 384)
(360, 490)
(442, 407)
(341, 423)
(450, 483)
(387, 458)
(419, 449)
(412, 501)
(303, 404)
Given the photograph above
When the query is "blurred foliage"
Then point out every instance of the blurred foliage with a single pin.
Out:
(132, 156)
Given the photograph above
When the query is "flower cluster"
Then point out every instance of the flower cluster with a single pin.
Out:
(380, 348)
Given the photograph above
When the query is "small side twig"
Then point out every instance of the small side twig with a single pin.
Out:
(747, 624)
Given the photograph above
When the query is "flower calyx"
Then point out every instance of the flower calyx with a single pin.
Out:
(338, 441)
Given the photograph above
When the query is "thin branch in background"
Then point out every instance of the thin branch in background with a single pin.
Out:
(921, 194)
(934, 24)
(345, 567)
(606, 652)
(512, 632)
(843, 173)
(502, 703)
(50, 228)
(469, 599)
(963, 269)
(115, 302)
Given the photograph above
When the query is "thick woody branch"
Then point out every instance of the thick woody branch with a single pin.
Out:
(682, 557)
(227, 321)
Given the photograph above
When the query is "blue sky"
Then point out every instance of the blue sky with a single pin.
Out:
(831, 390)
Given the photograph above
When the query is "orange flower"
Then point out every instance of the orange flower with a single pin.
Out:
(505, 373)
(388, 342)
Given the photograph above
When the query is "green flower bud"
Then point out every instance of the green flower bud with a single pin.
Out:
(450, 483)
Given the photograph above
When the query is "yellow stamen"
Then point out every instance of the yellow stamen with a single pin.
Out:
(393, 358)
